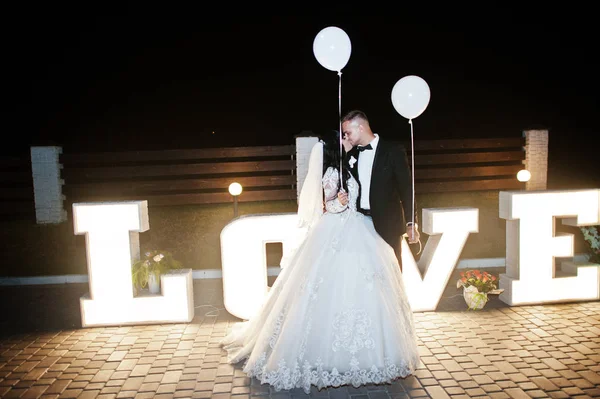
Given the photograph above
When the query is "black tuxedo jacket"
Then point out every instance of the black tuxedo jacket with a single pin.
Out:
(390, 194)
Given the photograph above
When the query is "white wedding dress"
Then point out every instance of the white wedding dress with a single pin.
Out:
(337, 313)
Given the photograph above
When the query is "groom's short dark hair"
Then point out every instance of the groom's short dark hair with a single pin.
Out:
(355, 114)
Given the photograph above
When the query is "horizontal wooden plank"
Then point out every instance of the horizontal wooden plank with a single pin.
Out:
(247, 196)
(82, 173)
(179, 185)
(15, 162)
(178, 155)
(267, 181)
(25, 193)
(290, 194)
(17, 176)
(269, 151)
(8, 218)
(471, 185)
(467, 158)
(8, 207)
(201, 198)
(464, 144)
(471, 171)
(120, 172)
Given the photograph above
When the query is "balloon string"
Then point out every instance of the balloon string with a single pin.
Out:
(340, 118)
(412, 144)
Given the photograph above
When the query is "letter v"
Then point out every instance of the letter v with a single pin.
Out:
(448, 229)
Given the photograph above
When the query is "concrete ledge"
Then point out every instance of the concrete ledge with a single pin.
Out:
(38, 280)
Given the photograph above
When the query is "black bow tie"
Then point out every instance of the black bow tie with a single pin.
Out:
(367, 147)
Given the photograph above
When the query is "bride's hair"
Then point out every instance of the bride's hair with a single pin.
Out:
(331, 156)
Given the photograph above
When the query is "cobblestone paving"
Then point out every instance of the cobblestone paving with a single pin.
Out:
(550, 351)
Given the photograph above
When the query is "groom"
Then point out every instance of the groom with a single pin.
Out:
(385, 181)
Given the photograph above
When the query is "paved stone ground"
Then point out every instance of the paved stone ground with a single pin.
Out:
(550, 351)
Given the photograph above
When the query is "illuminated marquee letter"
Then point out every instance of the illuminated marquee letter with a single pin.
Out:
(448, 230)
(244, 259)
(531, 246)
(112, 238)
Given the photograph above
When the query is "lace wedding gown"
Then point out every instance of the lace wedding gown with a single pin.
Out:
(337, 313)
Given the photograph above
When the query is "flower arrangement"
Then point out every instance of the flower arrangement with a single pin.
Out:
(592, 238)
(477, 285)
(483, 281)
(154, 262)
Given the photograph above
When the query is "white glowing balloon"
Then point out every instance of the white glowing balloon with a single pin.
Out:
(332, 48)
(410, 96)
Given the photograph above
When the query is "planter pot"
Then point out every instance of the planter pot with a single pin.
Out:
(475, 300)
(153, 284)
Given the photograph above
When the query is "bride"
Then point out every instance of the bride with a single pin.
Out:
(337, 314)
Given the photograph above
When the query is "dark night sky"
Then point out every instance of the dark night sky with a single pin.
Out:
(93, 81)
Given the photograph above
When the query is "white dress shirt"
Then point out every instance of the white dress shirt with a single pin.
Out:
(365, 167)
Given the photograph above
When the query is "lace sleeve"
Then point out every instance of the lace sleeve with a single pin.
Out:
(330, 188)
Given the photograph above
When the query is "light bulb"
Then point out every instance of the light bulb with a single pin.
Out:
(235, 189)
(524, 175)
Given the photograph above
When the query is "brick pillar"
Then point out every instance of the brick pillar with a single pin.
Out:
(536, 158)
(47, 185)
(303, 147)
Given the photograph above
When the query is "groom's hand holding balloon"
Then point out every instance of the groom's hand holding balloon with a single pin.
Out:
(412, 231)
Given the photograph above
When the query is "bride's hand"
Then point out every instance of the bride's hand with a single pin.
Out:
(343, 197)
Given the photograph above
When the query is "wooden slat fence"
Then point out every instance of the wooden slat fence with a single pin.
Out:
(202, 176)
(16, 184)
(177, 177)
(467, 164)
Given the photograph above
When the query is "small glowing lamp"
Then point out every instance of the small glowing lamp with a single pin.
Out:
(524, 175)
(235, 189)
